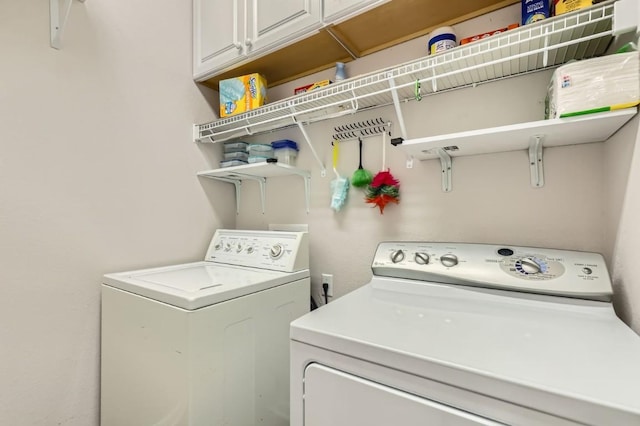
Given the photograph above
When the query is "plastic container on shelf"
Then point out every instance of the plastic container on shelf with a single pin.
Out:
(235, 147)
(238, 155)
(286, 151)
(231, 163)
(260, 151)
(258, 159)
(442, 39)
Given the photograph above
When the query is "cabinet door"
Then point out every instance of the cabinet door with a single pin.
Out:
(218, 34)
(337, 10)
(270, 25)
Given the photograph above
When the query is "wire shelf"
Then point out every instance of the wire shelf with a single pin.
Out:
(546, 44)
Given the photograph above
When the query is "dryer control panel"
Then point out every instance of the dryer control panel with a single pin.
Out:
(526, 269)
(274, 250)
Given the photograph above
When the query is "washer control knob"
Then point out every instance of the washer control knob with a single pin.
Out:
(421, 258)
(250, 249)
(397, 256)
(276, 251)
(449, 260)
(227, 247)
(239, 248)
(529, 266)
(218, 246)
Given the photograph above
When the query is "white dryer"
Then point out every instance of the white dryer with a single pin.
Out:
(205, 343)
(468, 334)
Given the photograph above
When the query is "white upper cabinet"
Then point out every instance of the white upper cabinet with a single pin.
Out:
(227, 32)
(218, 34)
(270, 25)
(337, 10)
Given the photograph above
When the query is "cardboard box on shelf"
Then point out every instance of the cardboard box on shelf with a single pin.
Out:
(487, 34)
(535, 10)
(565, 6)
(241, 94)
(310, 87)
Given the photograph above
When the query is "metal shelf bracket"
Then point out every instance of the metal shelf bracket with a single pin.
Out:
(58, 15)
(535, 161)
(305, 135)
(236, 183)
(445, 166)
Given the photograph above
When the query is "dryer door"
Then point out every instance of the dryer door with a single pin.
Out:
(332, 397)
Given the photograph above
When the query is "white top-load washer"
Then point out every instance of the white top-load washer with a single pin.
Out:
(468, 334)
(205, 343)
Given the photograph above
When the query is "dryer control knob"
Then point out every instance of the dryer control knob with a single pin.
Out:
(421, 258)
(528, 266)
(449, 260)
(276, 251)
(227, 247)
(397, 256)
(217, 246)
(250, 249)
(239, 248)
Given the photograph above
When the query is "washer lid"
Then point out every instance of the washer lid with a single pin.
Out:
(570, 358)
(195, 285)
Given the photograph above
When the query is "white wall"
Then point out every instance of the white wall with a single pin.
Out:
(97, 174)
(623, 210)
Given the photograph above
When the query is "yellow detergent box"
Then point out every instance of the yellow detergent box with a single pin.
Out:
(242, 94)
(565, 6)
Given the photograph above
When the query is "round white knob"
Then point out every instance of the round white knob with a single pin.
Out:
(397, 256)
(529, 265)
(449, 260)
(227, 247)
(249, 249)
(276, 251)
(217, 246)
(421, 258)
(238, 46)
(239, 248)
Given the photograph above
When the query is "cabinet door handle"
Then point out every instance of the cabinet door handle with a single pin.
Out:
(248, 42)
(238, 45)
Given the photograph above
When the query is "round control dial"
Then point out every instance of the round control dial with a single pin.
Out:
(397, 256)
(421, 258)
(449, 260)
(530, 266)
(276, 251)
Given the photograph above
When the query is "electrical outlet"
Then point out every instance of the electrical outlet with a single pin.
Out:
(328, 279)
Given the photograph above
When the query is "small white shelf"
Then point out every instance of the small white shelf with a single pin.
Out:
(533, 136)
(258, 172)
(558, 132)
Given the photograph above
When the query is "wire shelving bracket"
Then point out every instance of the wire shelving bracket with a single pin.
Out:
(58, 15)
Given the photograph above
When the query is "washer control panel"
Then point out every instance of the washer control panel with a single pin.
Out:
(526, 269)
(274, 250)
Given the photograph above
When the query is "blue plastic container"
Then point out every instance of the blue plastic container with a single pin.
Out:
(285, 151)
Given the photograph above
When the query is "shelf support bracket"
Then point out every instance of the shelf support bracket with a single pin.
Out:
(238, 187)
(445, 167)
(323, 170)
(535, 161)
(58, 15)
(307, 190)
(396, 104)
(263, 187)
